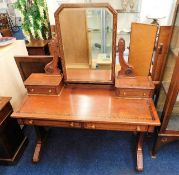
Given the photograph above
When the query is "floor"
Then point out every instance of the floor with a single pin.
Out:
(87, 152)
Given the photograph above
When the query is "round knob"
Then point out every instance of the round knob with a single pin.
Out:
(30, 121)
(138, 128)
(50, 91)
(124, 93)
(144, 94)
(93, 126)
(32, 90)
(72, 124)
(164, 139)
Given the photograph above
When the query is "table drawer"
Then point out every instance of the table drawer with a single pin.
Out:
(88, 125)
(68, 124)
(115, 127)
(43, 90)
(36, 51)
(134, 92)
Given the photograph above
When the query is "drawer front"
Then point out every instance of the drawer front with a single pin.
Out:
(42, 90)
(115, 127)
(68, 124)
(35, 50)
(88, 125)
(143, 93)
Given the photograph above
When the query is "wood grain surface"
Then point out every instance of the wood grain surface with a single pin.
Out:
(142, 42)
(89, 105)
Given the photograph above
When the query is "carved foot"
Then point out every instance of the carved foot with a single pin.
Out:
(41, 135)
(37, 152)
(139, 152)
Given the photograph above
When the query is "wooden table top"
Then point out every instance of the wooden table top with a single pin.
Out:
(88, 105)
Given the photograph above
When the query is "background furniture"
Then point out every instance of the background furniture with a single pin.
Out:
(11, 81)
(12, 140)
(38, 47)
(5, 29)
(168, 100)
(142, 43)
(31, 64)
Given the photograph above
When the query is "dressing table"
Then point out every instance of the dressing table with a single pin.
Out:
(88, 96)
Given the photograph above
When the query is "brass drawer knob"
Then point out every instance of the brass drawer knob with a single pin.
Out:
(138, 128)
(49, 90)
(72, 124)
(144, 94)
(32, 90)
(93, 126)
(124, 93)
(30, 121)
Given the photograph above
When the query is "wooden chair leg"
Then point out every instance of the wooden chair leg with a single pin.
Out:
(40, 133)
(139, 152)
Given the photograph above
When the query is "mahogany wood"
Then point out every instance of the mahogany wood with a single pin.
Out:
(126, 69)
(41, 135)
(31, 64)
(137, 86)
(142, 42)
(59, 33)
(113, 110)
(91, 104)
(140, 152)
(12, 140)
(52, 67)
(38, 47)
(44, 84)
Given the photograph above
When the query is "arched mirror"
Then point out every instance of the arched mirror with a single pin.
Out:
(87, 42)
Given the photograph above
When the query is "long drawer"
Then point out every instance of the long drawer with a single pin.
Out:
(88, 125)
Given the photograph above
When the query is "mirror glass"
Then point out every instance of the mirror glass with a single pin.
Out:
(87, 43)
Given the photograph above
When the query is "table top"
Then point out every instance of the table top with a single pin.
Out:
(37, 43)
(88, 105)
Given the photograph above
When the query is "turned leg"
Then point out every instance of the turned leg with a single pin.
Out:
(139, 152)
(40, 134)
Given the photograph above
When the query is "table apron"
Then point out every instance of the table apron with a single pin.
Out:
(88, 125)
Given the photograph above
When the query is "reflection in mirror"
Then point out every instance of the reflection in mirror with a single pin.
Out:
(87, 43)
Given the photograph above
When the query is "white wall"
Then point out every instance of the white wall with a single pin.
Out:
(148, 7)
(160, 8)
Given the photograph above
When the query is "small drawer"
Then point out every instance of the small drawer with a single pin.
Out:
(42, 90)
(68, 124)
(115, 127)
(142, 93)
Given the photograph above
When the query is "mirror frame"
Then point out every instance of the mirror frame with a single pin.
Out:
(59, 38)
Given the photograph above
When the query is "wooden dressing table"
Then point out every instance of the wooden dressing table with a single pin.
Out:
(88, 100)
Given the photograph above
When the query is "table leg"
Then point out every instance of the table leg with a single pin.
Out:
(40, 134)
(139, 152)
